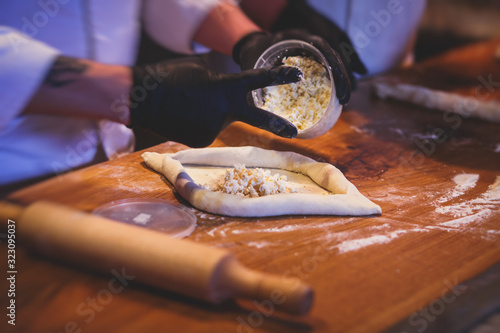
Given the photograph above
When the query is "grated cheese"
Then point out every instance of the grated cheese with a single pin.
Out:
(302, 103)
(251, 182)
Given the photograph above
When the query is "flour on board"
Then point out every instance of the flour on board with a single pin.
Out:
(473, 210)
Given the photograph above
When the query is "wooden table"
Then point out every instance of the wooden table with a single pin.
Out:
(368, 273)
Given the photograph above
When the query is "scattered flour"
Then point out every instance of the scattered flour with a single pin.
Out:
(356, 244)
(220, 231)
(259, 245)
(361, 130)
(134, 188)
(457, 223)
(397, 130)
(469, 211)
(462, 209)
(431, 136)
(212, 231)
(426, 136)
(349, 245)
(287, 228)
(381, 226)
(463, 183)
(493, 192)
(295, 227)
(466, 181)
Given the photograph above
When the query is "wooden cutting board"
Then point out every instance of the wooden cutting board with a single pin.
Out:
(368, 272)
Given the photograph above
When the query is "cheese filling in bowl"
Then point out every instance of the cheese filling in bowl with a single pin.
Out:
(310, 104)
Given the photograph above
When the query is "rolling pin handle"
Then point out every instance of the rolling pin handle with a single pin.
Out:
(286, 294)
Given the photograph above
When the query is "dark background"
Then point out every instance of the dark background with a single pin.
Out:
(451, 23)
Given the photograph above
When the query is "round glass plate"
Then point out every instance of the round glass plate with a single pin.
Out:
(155, 214)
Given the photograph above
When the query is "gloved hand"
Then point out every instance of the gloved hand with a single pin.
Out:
(298, 14)
(250, 48)
(183, 101)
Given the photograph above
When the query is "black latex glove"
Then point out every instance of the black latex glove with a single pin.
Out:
(183, 101)
(298, 14)
(249, 49)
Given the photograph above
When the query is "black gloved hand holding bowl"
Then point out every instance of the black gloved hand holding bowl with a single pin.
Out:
(248, 50)
(183, 101)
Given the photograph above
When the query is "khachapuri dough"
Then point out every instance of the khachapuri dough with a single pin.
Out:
(252, 182)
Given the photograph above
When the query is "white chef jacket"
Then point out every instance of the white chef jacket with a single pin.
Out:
(382, 31)
(34, 32)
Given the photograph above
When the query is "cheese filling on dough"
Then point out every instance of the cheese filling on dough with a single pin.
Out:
(251, 182)
(302, 103)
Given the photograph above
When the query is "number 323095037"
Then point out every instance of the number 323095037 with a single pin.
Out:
(11, 244)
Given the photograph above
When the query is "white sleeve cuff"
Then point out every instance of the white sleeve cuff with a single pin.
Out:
(24, 62)
(173, 23)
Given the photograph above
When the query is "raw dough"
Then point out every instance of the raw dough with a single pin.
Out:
(466, 106)
(321, 188)
(460, 81)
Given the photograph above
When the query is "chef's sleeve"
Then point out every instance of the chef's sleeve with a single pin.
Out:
(24, 63)
(173, 23)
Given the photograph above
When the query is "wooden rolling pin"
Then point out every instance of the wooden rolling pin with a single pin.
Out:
(151, 257)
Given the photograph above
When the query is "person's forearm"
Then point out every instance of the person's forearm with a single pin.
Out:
(263, 12)
(83, 88)
(224, 26)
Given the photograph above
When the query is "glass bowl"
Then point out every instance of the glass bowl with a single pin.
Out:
(274, 55)
(155, 214)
